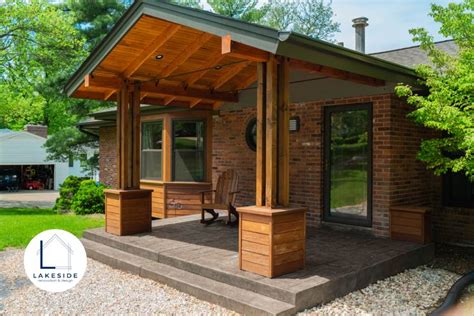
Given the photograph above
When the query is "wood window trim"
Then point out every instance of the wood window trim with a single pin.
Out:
(141, 148)
(167, 119)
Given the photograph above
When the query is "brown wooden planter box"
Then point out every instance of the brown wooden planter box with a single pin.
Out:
(410, 223)
(127, 212)
(271, 241)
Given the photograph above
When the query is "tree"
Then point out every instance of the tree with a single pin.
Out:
(449, 106)
(36, 40)
(95, 18)
(245, 10)
(309, 17)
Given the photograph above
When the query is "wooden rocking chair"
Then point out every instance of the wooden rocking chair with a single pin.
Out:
(224, 198)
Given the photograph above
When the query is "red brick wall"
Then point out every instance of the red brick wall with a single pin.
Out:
(398, 177)
(108, 156)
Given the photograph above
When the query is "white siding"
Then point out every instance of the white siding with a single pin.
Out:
(22, 148)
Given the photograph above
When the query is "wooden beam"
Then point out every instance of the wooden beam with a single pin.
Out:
(226, 77)
(261, 118)
(166, 89)
(182, 104)
(271, 145)
(128, 136)
(167, 148)
(242, 51)
(157, 42)
(123, 137)
(185, 54)
(335, 73)
(283, 133)
(231, 73)
(214, 60)
(135, 136)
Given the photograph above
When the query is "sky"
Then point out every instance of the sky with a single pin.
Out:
(389, 21)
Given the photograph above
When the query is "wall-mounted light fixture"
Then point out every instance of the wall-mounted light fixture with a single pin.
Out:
(294, 123)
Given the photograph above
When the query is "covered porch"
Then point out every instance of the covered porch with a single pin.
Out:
(203, 261)
(165, 55)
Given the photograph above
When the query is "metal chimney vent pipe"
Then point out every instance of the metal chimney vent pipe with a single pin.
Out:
(360, 24)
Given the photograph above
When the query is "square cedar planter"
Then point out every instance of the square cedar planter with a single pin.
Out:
(127, 212)
(271, 241)
(410, 223)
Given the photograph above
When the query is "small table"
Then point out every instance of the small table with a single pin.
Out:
(271, 241)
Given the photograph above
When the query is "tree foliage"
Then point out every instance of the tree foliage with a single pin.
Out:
(449, 106)
(309, 17)
(36, 40)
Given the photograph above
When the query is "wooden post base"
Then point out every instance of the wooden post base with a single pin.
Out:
(127, 212)
(271, 240)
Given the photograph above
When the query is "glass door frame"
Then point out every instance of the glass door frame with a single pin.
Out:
(327, 216)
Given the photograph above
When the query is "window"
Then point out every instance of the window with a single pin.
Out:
(188, 151)
(458, 190)
(152, 140)
(251, 134)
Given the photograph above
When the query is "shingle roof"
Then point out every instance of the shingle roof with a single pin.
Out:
(414, 55)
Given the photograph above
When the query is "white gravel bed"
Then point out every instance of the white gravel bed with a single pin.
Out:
(413, 292)
(103, 290)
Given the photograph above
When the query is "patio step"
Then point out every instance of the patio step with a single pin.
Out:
(213, 272)
(231, 297)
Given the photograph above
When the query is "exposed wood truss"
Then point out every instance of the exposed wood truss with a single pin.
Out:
(163, 89)
(235, 49)
(157, 42)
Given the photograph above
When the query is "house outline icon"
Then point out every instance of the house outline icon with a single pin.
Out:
(65, 245)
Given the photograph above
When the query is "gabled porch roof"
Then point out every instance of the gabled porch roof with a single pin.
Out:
(194, 58)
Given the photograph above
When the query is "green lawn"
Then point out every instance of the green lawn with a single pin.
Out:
(19, 225)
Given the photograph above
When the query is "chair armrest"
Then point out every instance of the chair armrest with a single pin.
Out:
(203, 193)
(206, 191)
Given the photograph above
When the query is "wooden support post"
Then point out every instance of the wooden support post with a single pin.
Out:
(167, 148)
(283, 134)
(135, 136)
(271, 143)
(128, 136)
(122, 136)
(261, 119)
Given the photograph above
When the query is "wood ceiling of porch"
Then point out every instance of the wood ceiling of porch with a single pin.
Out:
(192, 72)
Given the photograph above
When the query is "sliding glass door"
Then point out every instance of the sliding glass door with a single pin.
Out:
(348, 164)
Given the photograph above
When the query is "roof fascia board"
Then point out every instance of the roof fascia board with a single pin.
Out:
(253, 35)
(327, 54)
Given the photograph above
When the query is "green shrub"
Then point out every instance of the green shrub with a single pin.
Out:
(89, 199)
(67, 190)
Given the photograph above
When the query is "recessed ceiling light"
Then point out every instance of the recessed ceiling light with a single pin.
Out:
(158, 57)
(218, 67)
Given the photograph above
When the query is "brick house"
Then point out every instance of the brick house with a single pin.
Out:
(352, 150)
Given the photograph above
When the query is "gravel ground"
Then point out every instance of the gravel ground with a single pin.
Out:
(103, 290)
(413, 292)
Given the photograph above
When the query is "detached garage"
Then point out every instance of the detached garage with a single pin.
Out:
(23, 163)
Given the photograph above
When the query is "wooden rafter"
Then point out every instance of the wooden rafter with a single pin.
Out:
(160, 88)
(235, 49)
(335, 73)
(243, 84)
(185, 54)
(176, 103)
(182, 57)
(157, 42)
(213, 61)
(222, 80)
